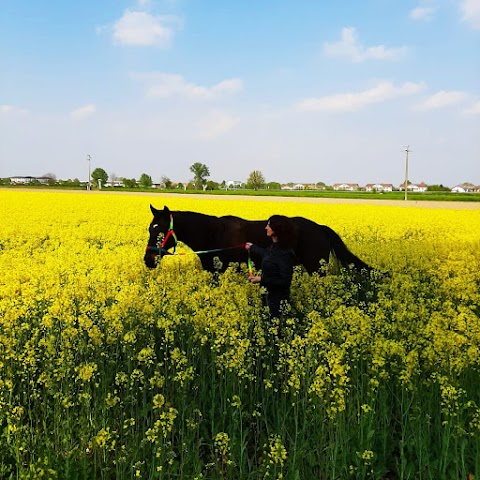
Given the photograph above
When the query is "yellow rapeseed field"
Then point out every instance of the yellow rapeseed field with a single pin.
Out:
(109, 370)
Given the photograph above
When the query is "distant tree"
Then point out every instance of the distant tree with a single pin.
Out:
(99, 177)
(211, 185)
(223, 185)
(165, 182)
(145, 180)
(69, 183)
(255, 180)
(438, 188)
(180, 186)
(273, 186)
(200, 172)
(129, 182)
(113, 178)
(52, 178)
(320, 185)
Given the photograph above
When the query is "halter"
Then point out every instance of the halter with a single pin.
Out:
(171, 233)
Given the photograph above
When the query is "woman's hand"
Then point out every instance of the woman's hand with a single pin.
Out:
(248, 245)
(256, 279)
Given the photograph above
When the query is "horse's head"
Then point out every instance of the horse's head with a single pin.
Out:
(161, 237)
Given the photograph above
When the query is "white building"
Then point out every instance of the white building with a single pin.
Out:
(234, 184)
(415, 187)
(26, 180)
(349, 187)
(379, 187)
(465, 188)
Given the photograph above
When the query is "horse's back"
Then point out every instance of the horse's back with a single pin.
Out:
(237, 230)
(313, 243)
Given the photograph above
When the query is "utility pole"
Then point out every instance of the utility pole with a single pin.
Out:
(89, 187)
(407, 151)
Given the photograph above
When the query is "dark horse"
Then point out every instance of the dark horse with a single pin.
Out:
(226, 236)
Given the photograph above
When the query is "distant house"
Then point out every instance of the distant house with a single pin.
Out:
(305, 186)
(234, 184)
(420, 187)
(414, 187)
(26, 180)
(115, 183)
(349, 187)
(466, 187)
(379, 187)
(295, 186)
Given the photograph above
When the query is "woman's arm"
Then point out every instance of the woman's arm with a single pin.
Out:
(255, 249)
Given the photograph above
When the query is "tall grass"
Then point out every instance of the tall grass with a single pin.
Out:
(110, 371)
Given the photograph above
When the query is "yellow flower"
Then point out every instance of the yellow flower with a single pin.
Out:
(85, 373)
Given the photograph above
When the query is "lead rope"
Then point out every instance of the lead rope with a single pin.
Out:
(250, 266)
(163, 251)
(215, 250)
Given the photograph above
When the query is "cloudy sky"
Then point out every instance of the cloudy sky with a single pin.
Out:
(303, 90)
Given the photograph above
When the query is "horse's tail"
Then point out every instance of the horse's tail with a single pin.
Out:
(343, 254)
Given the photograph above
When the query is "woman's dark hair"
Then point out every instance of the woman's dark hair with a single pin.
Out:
(284, 230)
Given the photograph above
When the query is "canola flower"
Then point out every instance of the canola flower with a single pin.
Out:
(110, 370)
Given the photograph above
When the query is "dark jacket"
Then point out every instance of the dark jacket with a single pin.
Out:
(277, 268)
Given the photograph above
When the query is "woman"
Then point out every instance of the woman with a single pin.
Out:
(277, 262)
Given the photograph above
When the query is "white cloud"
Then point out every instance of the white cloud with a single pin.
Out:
(441, 99)
(350, 47)
(217, 123)
(471, 12)
(422, 12)
(12, 110)
(142, 29)
(165, 85)
(473, 109)
(83, 112)
(232, 85)
(353, 101)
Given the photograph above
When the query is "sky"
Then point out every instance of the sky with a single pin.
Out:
(303, 91)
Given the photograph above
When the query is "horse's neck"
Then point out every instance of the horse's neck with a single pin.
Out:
(192, 229)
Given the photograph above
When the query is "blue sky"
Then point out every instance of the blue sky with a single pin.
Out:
(304, 91)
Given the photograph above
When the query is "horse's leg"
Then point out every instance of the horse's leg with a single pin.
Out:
(207, 262)
(214, 263)
(313, 263)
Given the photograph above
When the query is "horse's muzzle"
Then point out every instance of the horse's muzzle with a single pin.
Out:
(150, 259)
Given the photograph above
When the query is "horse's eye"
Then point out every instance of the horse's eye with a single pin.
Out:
(155, 226)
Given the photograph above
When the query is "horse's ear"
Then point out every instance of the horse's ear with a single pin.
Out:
(153, 209)
(166, 210)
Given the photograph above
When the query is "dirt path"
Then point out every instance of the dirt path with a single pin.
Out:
(391, 203)
(454, 205)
